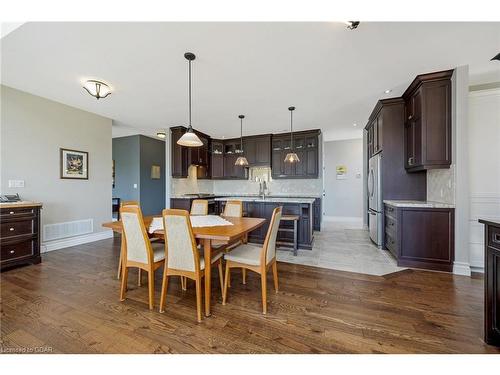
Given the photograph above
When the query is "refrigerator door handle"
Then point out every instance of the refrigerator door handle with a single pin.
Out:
(371, 183)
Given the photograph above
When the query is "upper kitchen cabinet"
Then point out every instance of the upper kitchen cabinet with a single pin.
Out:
(306, 145)
(232, 150)
(374, 135)
(180, 158)
(258, 150)
(217, 162)
(427, 138)
(183, 157)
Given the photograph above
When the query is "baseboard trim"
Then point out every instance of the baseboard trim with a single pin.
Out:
(461, 268)
(345, 219)
(476, 269)
(73, 241)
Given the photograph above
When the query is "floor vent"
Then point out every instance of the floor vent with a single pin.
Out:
(67, 229)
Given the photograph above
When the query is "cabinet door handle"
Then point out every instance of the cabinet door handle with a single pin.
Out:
(391, 224)
(11, 212)
(410, 117)
(11, 229)
(12, 251)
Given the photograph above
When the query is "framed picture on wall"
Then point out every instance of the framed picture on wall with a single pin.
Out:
(74, 164)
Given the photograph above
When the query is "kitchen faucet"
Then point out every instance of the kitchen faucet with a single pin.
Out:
(262, 189)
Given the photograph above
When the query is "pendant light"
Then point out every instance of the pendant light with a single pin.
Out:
(189, 138)
(291, 157)
(242, 160)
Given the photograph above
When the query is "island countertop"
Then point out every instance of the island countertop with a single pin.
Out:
(422, 204)
(20, 204)
(272, 199)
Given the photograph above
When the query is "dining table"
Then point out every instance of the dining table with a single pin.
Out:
(222, 234)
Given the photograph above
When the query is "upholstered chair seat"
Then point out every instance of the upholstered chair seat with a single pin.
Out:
(248, 254)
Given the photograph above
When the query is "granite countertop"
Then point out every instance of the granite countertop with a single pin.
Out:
(20, 204)
(255, 196)
(268, 199)
(423, 204)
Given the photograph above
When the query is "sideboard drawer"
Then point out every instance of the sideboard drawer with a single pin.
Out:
(17, 250)
(5, 213)
(494, 238)
(16, 228)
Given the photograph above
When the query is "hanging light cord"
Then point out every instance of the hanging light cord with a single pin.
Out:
(241, 135)
(189, 79)
(291, 131)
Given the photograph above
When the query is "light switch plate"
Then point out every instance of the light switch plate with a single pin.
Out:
(16, 183)
(135, 186)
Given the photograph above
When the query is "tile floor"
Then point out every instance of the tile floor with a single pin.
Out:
(344, 247)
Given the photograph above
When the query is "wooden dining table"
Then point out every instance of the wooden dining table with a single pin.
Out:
(205, 235)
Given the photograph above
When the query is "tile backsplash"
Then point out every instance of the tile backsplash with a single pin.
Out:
(301, 187)
(441, 185)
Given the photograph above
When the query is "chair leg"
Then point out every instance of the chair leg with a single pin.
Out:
(164, 286)
(228, 279)
(119, 267)
(275, 275)
(263, 282)
(139, 277)
(151, 288)
(226, 284)
(198, 298)
(244, 273)
(221, 276)
(123, 288)
(184, 283)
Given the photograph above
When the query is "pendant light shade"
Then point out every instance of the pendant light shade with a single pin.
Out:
(242, 160)
(189, 138)
(291, 157)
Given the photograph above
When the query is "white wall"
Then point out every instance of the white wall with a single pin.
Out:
(484, 168)
(343, 198)
(33, 129)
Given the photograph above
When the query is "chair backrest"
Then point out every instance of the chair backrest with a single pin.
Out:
(129, 203)
(199, 207)
(269, 248)
(180, 243)
(137, 243)
(233, 209)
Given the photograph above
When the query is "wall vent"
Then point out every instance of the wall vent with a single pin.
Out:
(67, 229)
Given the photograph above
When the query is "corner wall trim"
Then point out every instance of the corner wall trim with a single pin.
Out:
(461, 268)
(73, 241)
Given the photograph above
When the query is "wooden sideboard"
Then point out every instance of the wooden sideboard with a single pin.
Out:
(491, 282)
(19, 234)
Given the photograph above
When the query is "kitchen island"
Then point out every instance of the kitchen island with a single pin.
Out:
(256, 206)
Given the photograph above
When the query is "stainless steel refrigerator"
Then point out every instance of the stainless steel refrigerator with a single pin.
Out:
(375, 204)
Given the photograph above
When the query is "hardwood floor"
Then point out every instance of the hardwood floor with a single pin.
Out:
(69, 304)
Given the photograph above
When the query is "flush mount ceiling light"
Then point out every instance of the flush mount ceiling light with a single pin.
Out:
(354, 124)
(189, 138)
(97, 89)
(161, 135)
(351, 25)
(497, 57)
(242, 160)
(291, 157)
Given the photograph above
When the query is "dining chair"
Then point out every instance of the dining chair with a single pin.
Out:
(182, 255)
(257, 259)
(234, 208)
(138, 250)
(199, 207)
(125, 204)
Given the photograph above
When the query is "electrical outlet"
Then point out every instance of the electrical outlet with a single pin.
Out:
(135, 186)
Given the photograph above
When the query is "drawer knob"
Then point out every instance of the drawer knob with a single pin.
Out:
(391, 224)
(12, 251)
(11, 229)
(11, 212)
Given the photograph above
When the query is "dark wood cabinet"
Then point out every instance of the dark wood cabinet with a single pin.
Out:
(181, 203)
(397, 183)
(317, 214)
(306, 145)
(428, 122)
(421, 237)
(217, 159)
(491, 282)
(232, 150)
(179, 158)
(19, 234)
(258, 150)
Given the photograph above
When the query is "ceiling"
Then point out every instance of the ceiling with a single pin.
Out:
(331, 74)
